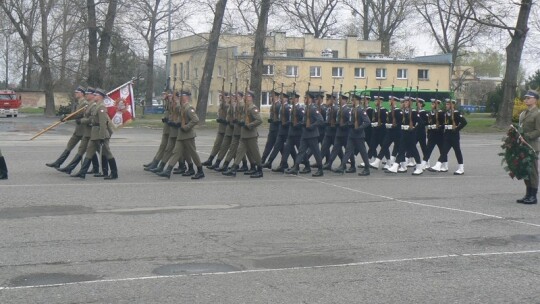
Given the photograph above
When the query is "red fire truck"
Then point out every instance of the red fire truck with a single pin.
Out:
(9, 103)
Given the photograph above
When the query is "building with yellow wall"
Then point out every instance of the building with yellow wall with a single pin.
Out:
(299, 62)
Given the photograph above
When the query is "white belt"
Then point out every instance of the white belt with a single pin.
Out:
(404, 127)
(448, 127)
(374, 124)
(432, 127)
(388, 126)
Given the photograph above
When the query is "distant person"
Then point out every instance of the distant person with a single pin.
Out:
(529, 123)
(3, 167)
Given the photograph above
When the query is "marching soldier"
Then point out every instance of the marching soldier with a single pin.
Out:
(378, 130)
(369, 130)
(99, 137)
(79, 129)
(227, 136)
(342, 131)
(407, 144)
(392, 136)
(356, 142)
(330, 120)
(312, 119)
(435, 126)
(283, 131)
(84, 121)
(184, 147)
(248, 138)
(167, 105)
(454, 121)
(273, 126)
(421, 136)
(238, 110)
(294, 133)
(529, 123)
(222, 127)
(3, 167)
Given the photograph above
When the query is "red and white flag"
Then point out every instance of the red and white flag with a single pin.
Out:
(120, 104)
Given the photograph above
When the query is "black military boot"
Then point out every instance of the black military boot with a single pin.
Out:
(166, 172)
(84, 168)
(267, 165)
(208, 162)
(182, 168)
(292, 171)
(215, 166)
(352, 168)
(189, 171)
(525, 197)
(199, 174)
(95, 164)
(307, 168)
(252, 170)
(3, 168)
(244, 167)
(364, 172)
(71, 166)
(151, 165)
(532, 197)
(319, 172)
(340, 169)
(158, 168)
(114, 169)
(223, 168)
(327, 166)
(258, 172)
(281, 168)
(57, 163)
(104, 167)
(231, 171)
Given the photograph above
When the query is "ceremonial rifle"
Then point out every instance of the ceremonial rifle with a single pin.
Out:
(59, 122)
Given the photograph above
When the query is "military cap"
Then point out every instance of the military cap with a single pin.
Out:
(420, 100)
(183, 93)
(448, 100)
(250, 93)
(99, 91)
(240, 94)
(344, 96)
(80, 89)
(89, 90)
(532, 93)
(294, 94)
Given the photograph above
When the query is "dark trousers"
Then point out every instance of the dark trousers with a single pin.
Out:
(270, 142)
(279, 147)
(339, 143)
(377, 139)
(434, 138)
(355, 146)
(392, 136)
(407, 146)
(309, 146)
(327, 142)
(290, 144)
(451, 141)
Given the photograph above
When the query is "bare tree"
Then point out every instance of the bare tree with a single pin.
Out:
(208, 69)
(258, 55)
(485, 15)
(361, 8)
(317, 17)
(450, 24)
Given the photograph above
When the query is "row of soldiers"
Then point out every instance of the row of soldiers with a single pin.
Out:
(92, 132)
(343, 126)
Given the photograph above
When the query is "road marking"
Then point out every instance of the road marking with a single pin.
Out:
(153, 209)
(422, 204)
(357, 264)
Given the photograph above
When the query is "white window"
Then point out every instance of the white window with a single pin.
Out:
(337, 72)
(210, 100)
(401, 73)
(423, 74)
(268, 69)
(292, 71)
(359, 72)
(380, 73)
(219, 71)
(314, 71)
(265, 98)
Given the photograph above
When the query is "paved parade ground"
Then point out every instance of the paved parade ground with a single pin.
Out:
(434, 238)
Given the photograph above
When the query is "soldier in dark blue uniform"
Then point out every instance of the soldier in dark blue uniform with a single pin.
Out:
(369, 130)
(378, 131)
(393, 133)
(283, 131)
(330, 123)
(421, 136)
(294, 133)
(311, 121)
(273, 125)
(435, 126)
(342, 131)
(356, 142)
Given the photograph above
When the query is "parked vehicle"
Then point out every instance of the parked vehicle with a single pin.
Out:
(9, 103)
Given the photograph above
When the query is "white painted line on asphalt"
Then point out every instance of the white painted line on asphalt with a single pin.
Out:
(392, 261)
(152, 209)
(422, 204)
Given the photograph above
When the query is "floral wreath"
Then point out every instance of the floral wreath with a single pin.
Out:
(518, 158)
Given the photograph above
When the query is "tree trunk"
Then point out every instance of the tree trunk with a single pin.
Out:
(513, 58)
(258, 54)
(366, 26)
(149, 77)
(93, 69)
(46, 73)
(206, 78)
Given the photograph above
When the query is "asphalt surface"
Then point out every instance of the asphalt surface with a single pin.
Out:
(434, 238)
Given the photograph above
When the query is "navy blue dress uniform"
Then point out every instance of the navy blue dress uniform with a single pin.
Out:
(294, 133)
(222, 126)
(421, 136)
(312, 120)
(407, 144)
(435, 131)
(342, 131)
(283, 131)
(369, 130)
(77, 133)
(378, 131)
(454, 121)
(392, 136)
(356, 142)
(167, 105)
(330, 125)
(322, 108)
(273, 126)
